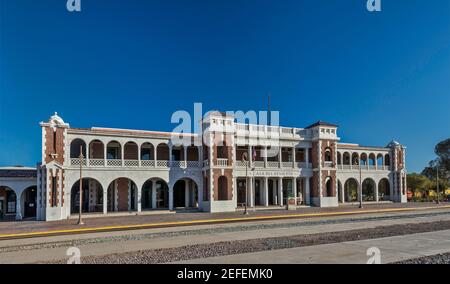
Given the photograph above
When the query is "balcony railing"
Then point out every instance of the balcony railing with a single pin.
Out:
(96, 162)
(114, 163)
(131, 163)
(364, 167)
(148, 163)
(328, 164)
(135, 163)
(222, 162)
(77, 162)
(287, 164)
(271, 164)
(258, 164)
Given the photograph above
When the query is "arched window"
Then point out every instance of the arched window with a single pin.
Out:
(76, 146)
(113, 150)
(222, 150)
(329, 187)
(222, 190)
(328, 155)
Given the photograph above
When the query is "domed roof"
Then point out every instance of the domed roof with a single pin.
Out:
(56, 119)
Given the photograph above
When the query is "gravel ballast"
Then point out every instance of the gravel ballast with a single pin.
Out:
(255, 245)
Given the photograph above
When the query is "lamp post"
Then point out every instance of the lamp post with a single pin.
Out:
(81, 157)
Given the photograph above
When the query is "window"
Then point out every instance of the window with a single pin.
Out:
(54, 192)
(327, 155)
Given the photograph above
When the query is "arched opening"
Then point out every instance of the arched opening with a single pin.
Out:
(178, 153)
(351, 190)
(162, 194)
(131, 153)
(329, 187)
(29, 196)
(75, 148)
(185, 194)
(147, 195)
(122, 195)
(162, 152)
(147, 152)
(340, 197)
(355, 159)
(363, 159)
(8, 201)
(368, 190)
(92, 196)
(379, 160)
(96, 150)
(387, 160)
(372, 159)
(113, 151)
(327, 155)
(346, 158)
(222, 190)
(383, 190)
(339, 158)
(222, 150)
(192, 153)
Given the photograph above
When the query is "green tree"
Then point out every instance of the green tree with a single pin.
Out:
(418, 183)
(441, 163)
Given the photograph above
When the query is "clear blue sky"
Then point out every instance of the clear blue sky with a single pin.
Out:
(131, 64)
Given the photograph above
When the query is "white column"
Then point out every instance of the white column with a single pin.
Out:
(139, 155)
(139, 199)
(266, 191)
(186, 194)
(153, 194)
(280, 191)
(18, 207)
(105, 201)
(170, 156)
(122, 150)
(274, 193)
(265, 157)
(307, 192)
(104, 154)
(185, 154)
(87, 155)
(170, 196)
(154, 155)
(294, 158)
(280, 159)
(294, 188)
(376, 192)
(251, 201)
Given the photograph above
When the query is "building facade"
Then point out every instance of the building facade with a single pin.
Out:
(226, 166)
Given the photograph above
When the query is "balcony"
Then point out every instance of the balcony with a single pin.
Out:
(365, 167)
(136, 163)
(222, 162)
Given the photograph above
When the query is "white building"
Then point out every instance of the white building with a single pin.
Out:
(134, 170)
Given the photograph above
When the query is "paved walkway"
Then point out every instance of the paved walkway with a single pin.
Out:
(137, 220)
(391, 249)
